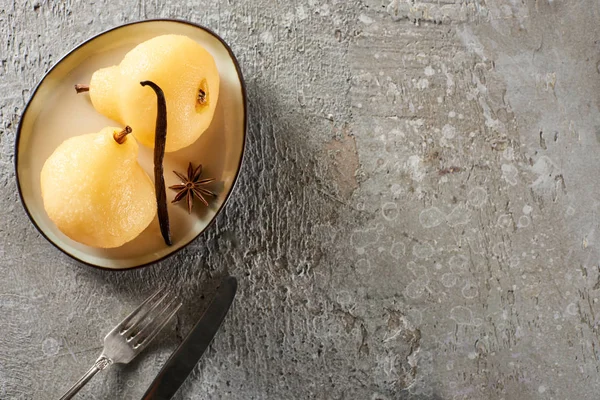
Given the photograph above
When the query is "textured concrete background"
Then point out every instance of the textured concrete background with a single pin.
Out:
(417, 217)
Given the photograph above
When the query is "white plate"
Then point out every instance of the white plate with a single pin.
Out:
(55, 112)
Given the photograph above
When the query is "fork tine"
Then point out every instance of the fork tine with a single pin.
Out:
(142, 344)
(137, 325)
(142, 339)
(135, 312)
(151, 321)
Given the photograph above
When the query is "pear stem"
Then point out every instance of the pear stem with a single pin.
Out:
(79, 88)
(120, 137)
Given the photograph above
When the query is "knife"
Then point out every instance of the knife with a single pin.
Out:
(186, 356)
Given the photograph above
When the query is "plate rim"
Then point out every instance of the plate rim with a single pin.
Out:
(240, 161)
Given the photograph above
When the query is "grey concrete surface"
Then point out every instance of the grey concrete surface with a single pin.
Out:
(417, 216)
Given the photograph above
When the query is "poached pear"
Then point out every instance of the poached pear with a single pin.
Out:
(95, 191)
(185, 71)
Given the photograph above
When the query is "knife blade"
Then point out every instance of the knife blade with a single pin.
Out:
(186, 356)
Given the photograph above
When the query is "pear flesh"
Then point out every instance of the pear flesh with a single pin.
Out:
(185, 71)
(95, 191)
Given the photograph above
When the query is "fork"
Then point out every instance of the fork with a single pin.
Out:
(132, 335)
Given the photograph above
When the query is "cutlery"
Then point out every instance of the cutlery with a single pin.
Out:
(189, 352)
(132, 335)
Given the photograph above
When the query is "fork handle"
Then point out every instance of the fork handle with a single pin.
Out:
(99, 365)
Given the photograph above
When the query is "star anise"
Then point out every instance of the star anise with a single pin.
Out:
(191, 185)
